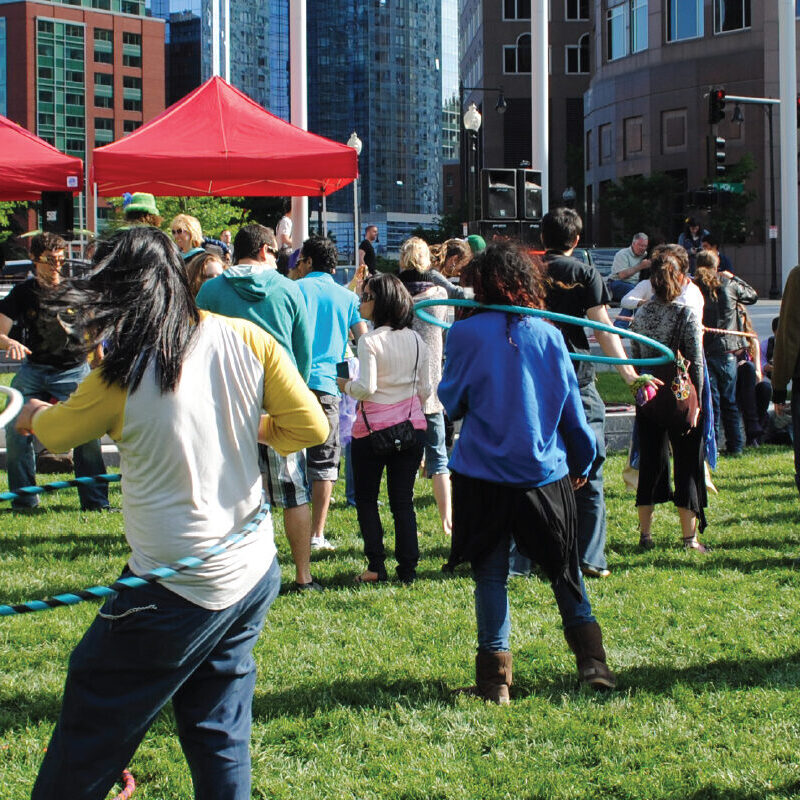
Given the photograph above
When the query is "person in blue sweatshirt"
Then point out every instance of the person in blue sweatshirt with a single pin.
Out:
(524, 447)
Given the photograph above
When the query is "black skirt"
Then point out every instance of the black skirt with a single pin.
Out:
(542, 520)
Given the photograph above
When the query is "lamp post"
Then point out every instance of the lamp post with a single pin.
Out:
(356, 144)
(468, 150)
(472, 124)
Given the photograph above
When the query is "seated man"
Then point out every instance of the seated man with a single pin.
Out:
(54, 366)
(626, 271)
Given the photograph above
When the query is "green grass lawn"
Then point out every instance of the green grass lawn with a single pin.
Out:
(355, 691)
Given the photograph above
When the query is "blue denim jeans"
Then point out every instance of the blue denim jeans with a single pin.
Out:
(145, 647)
(722, 374)
(491, 601)
(435, 447)
(38, 380)
(349, 480)
(589, 498)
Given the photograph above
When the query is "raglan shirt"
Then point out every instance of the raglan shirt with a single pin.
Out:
(189, 458)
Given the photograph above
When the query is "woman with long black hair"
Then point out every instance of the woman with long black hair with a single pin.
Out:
(524, 447)
(183, 393)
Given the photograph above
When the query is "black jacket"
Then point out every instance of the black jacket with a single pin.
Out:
(720, 312)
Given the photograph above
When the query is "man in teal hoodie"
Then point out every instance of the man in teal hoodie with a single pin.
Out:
(254, 290)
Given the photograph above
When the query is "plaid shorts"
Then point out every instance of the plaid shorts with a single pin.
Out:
(284, 477)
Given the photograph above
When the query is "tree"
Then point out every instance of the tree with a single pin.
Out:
(729, 218)
(639, 203)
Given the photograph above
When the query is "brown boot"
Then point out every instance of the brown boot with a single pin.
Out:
(493, 676)
(586, 641)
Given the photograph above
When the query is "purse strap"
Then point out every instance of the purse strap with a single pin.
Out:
(413, 390)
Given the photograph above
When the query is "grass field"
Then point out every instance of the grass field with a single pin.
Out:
(355, 691)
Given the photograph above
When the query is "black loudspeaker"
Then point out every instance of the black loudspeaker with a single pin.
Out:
(529, 192)
(530, 233)
(493, 231)
(58, 212)
(499, 193)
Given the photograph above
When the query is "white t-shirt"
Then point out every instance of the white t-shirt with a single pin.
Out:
(284, 229)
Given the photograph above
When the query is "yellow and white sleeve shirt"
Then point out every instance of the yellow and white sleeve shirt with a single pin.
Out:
(189, 458)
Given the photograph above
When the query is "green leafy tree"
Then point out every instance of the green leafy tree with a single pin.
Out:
(639, 203)
(729, 218)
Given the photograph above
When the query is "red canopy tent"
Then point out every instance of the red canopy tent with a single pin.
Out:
(30, 166)
(217, 141)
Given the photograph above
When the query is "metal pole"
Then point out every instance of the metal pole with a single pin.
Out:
(298, 65)
(774, 287)
(226, 38)
(472, 154)
(540, 91)
(324, 215)
(94, 210)
(787, 36)
(355, 223)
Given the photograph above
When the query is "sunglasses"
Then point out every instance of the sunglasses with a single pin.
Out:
(178, 231)
(53, 261)
(366, 297)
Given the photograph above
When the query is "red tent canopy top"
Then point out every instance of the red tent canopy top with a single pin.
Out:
(30, 166)
(217, 141)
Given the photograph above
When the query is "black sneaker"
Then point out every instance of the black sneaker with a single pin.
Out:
(311, 586)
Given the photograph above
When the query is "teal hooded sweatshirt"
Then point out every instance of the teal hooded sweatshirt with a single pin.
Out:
(266, 298)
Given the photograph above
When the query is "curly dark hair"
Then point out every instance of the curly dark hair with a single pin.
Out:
(504, 274)
(322, 252)
(393, 303)
(46, 241)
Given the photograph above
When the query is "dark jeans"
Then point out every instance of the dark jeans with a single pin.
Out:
(722, 374)
(589, 498)
(796, 433)
(491, 601)
(401, 471)
(753, 399)
(43, 382)
(145, 647)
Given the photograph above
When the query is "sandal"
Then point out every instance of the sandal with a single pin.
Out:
(646, 541)
(367, 576)
(691, 543)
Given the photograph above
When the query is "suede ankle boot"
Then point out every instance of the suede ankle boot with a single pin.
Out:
(493, 676)
(586, 641)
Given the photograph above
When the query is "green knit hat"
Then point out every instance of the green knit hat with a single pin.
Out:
(141, 201)
(476, 243)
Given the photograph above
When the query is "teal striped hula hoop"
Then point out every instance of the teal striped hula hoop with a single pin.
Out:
(665, 358)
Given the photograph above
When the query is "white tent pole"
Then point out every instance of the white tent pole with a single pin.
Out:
(226, 37)
(215, 37)
(540, 90)
(787, 36)
(298, 66)
(94, 210)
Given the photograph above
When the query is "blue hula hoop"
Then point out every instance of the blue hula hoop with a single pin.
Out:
(135, 581)
(27, 491)
(665, 358)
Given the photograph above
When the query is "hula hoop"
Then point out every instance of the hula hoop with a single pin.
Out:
(13, 405)
(26, 491)
(135, 581)
(667, 356)
(128, 786)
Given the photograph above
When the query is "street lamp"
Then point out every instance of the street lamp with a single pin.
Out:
(472, 123)
(356, 144)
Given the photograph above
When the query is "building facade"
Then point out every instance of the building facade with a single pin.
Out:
(495, 54)
(647, 108)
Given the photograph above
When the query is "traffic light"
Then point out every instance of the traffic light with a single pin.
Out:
(719, 155)
(716, 106)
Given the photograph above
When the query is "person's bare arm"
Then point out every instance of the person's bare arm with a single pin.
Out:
(610, 343)
(624, 274)
(15, 349)
(358, 330)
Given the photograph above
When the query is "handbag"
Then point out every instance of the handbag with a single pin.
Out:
(674, 405)
(400, 436)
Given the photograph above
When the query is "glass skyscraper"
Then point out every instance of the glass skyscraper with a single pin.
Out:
(375, 68)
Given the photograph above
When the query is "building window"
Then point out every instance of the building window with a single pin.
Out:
(131, 49)
(129, 104)
(684, 19)
(673, 131)
(606, 144)
(103, 46)
(130, 125)
(516, 9)
(517, 57)
(731, 15)
(576, 9)
(577, 56)
(632, 137)
(626, 28)
(103, 131)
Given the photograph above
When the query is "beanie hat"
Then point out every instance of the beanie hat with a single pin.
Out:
(141, 201)
(476, 243)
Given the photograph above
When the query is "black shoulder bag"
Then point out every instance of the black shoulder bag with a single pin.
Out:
(401, 436)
